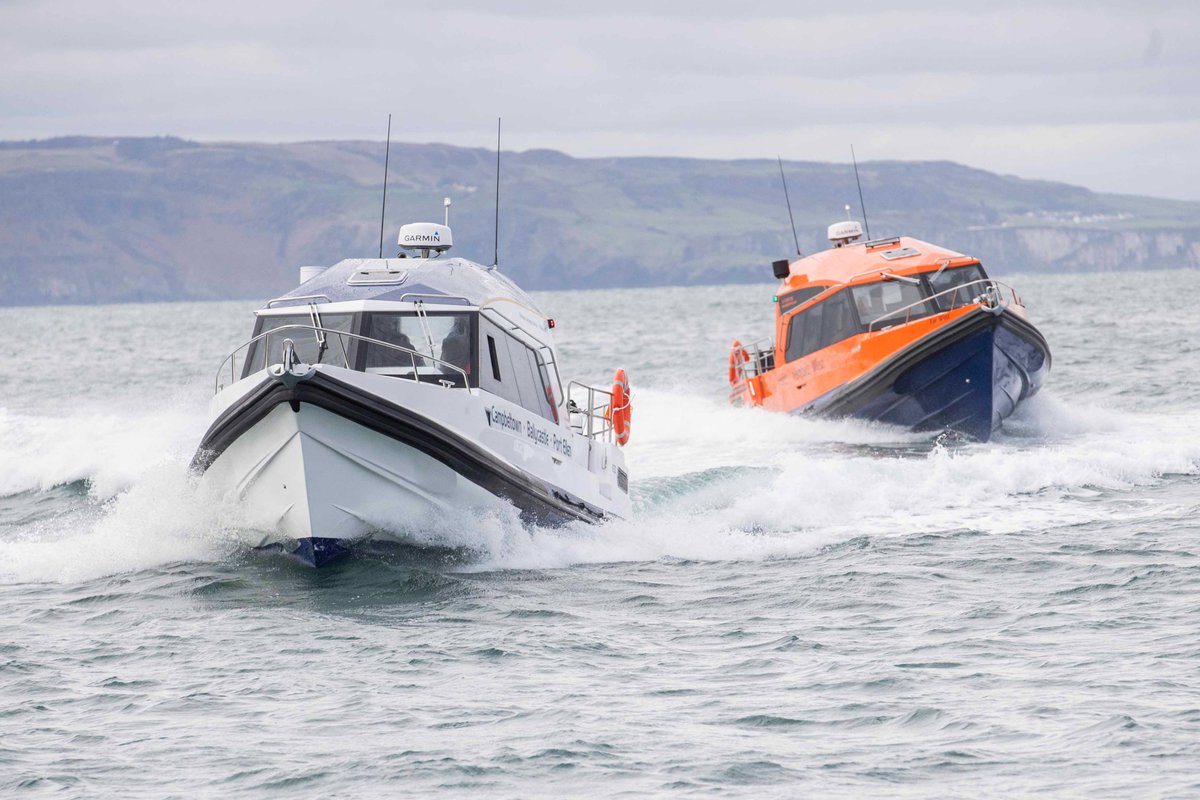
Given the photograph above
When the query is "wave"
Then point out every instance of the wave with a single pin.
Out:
(165, 518)
(711, 482)
(110, 450)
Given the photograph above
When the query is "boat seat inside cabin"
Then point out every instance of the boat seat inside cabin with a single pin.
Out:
(870, 304)
(378, 356)
(456, 347)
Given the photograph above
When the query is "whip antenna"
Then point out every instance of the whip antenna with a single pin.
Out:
(861, 204)
(795, 238)
(387, 150)
(496, 257)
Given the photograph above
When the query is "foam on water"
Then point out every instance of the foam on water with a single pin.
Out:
(112, 450)
(799, 497)
(142, 508)
(165, 517)
(711, 482)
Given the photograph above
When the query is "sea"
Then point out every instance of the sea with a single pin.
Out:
(798, 607)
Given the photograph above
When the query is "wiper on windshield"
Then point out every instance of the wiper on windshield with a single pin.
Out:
(891, 276)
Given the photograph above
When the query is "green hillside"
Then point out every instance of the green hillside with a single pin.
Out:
(100, 220)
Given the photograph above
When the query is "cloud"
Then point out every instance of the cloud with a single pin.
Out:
(1036, 89)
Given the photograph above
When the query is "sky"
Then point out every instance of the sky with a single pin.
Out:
(1100, 94)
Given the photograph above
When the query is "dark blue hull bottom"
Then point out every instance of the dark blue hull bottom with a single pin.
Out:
(314, 551)
(317, 552)
(323, 551)
(967, 379)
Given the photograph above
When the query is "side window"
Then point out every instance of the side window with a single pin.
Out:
(498, 377)
(825, 324)
(548, 387)
(804, 331)
(840, 322)
(514, 371)
(495, 358)
(525, 373)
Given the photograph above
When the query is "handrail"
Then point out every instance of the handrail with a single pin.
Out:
(309, 297)
(413, 354)
(591, 412)
(439, 299)
(758, 351)
(993, 286)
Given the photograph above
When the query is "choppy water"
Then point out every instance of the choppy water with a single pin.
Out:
(800, 607)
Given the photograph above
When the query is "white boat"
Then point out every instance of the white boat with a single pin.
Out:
(382, 396)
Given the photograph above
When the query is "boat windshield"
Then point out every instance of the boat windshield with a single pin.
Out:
(889, 302)
(422, 344)
(312, 347)
(959, 276)
(443, 337)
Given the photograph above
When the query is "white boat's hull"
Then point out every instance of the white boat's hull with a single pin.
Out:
(331, 459)
(312, 473)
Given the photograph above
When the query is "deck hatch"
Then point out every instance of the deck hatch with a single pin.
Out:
(900, 252)
(378, 277)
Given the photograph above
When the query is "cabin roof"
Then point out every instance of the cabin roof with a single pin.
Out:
(395, 278)
(864, 261)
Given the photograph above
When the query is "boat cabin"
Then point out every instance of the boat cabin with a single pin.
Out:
(841, 312)
(422, 317)
(855, 289)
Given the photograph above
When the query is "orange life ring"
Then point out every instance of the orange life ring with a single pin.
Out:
(736, 353)
(619, 407)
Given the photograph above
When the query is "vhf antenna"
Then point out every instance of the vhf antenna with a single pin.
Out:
(795, 238)
(386, 152)
(496, 257)
(861, 204)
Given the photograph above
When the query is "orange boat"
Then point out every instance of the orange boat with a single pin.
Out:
(896, 331)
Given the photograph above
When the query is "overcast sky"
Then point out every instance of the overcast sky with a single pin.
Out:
(1105, 95)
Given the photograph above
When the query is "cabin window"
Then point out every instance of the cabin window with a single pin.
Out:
(839, 321)
(528, 371)
(518, 373)
(956, 277)
(429, 345)
(820, 326)
(312, 347)
(499, 380)
(491, 340)
(891, 302)
(791, 300)
(797, 327)
(547, 388)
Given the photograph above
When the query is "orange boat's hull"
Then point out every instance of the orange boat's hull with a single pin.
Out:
(963, 371)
